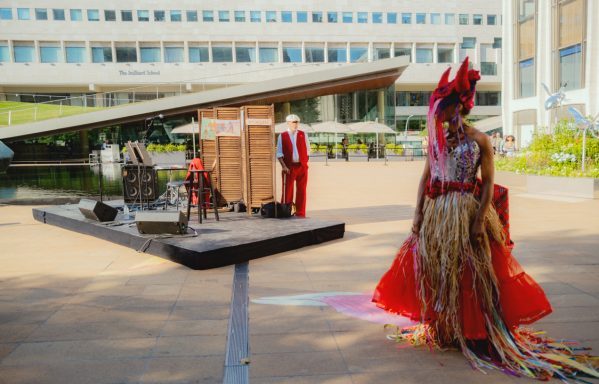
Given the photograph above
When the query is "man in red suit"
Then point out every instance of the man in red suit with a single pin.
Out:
(293, 152)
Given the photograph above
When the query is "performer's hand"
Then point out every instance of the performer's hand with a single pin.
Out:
(286, 170)
(417, 223)
(476, 232)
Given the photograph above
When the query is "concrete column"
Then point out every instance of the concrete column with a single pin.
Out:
(84, 142)
(286, 109)
(380, 105)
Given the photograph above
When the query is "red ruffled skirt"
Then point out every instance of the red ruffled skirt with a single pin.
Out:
(521, 299)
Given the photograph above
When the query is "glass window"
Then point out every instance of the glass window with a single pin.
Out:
(173, 54)
(421, 18)
(377, 17)
(317, 17)
(23, 53)
(491, 19)
(337, 54)
(207, 16)
(245, 54)
(463, 19)
(5, 13)
(271, 16)
(424, 55)
(527, 78)
(391, 18)
(449, 18)
(468, 42)
(406, 18)
(348, 17)
(76, 14)
(488, 98)
(58, 14)
(403, 52)
(50, 54)
(362, 17)
(149, 54)
(224, 16)
(526, 9)
(488, 68)
(435, 18)
(93, 15)
(292, 55)
(159, 15)
(176, 16)
(143, 15)
(41, 14)
(314, 54)
(570, 67)
(477, 19)
(199, 55)
(444, 55)
(381, 53)
(269, 55)
(126, 15)
(109, 15)
(256, 16)
(126, 55)
(101, 55)
(222, 54)
(239, 16)
(4, 55)
(286, 16)
(301, 17)
(358, 54)
(75, 54)
(332, 17)
(192, 16)
(23, 14)
(497, 42)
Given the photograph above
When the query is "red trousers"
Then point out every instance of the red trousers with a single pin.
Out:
(297, 174)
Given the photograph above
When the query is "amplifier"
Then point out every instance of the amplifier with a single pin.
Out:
(157, 222)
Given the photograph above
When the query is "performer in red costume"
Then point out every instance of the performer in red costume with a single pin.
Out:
(293, 152)
(455, 274)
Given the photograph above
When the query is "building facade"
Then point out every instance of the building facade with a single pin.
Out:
(551, 44)
(103, 53)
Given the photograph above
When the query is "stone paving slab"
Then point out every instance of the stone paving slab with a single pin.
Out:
(97, 312)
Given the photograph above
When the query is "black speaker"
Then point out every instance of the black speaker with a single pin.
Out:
(140, 184)
(95, 210)
(157, 222)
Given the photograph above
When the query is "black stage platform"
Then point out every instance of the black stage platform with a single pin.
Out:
(236, 238)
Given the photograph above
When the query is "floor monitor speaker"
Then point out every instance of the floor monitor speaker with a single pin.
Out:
(157, 222)
(95, 210)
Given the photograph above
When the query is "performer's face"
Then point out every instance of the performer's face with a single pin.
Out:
(293, 125)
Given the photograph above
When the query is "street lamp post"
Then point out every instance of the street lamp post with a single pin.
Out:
(406, 129)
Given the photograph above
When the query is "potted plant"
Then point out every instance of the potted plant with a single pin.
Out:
(167, 154)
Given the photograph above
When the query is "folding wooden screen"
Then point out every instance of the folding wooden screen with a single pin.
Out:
(258, 155)
(226, 150)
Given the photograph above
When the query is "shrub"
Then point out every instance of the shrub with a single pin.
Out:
(166, 147)
(557, 154)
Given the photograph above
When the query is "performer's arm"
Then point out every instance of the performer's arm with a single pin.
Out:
(487, 171)
(418, 215)
(307, 145)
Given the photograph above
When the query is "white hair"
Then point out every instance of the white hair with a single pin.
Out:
(292, 118)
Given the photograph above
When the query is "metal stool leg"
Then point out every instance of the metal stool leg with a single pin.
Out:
(213, 196)
(200, 196)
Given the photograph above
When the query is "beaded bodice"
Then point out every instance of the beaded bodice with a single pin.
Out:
(462, 163)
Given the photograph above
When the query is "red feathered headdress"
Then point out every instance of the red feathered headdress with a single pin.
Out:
(448, 94)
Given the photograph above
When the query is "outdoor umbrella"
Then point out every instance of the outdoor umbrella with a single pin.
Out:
(189, 129)
(371, 127)
(282, 127)
(331, 127)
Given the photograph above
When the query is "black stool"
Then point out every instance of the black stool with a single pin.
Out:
(196, 184)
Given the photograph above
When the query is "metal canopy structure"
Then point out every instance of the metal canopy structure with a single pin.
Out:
(332, 79)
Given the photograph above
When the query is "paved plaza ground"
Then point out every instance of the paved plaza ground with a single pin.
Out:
(75, 309)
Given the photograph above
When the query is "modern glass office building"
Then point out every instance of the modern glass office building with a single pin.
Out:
(103, 53)
(554, 44)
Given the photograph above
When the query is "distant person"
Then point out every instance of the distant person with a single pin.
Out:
(293, 153)
(344, 144)
(509, 147)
